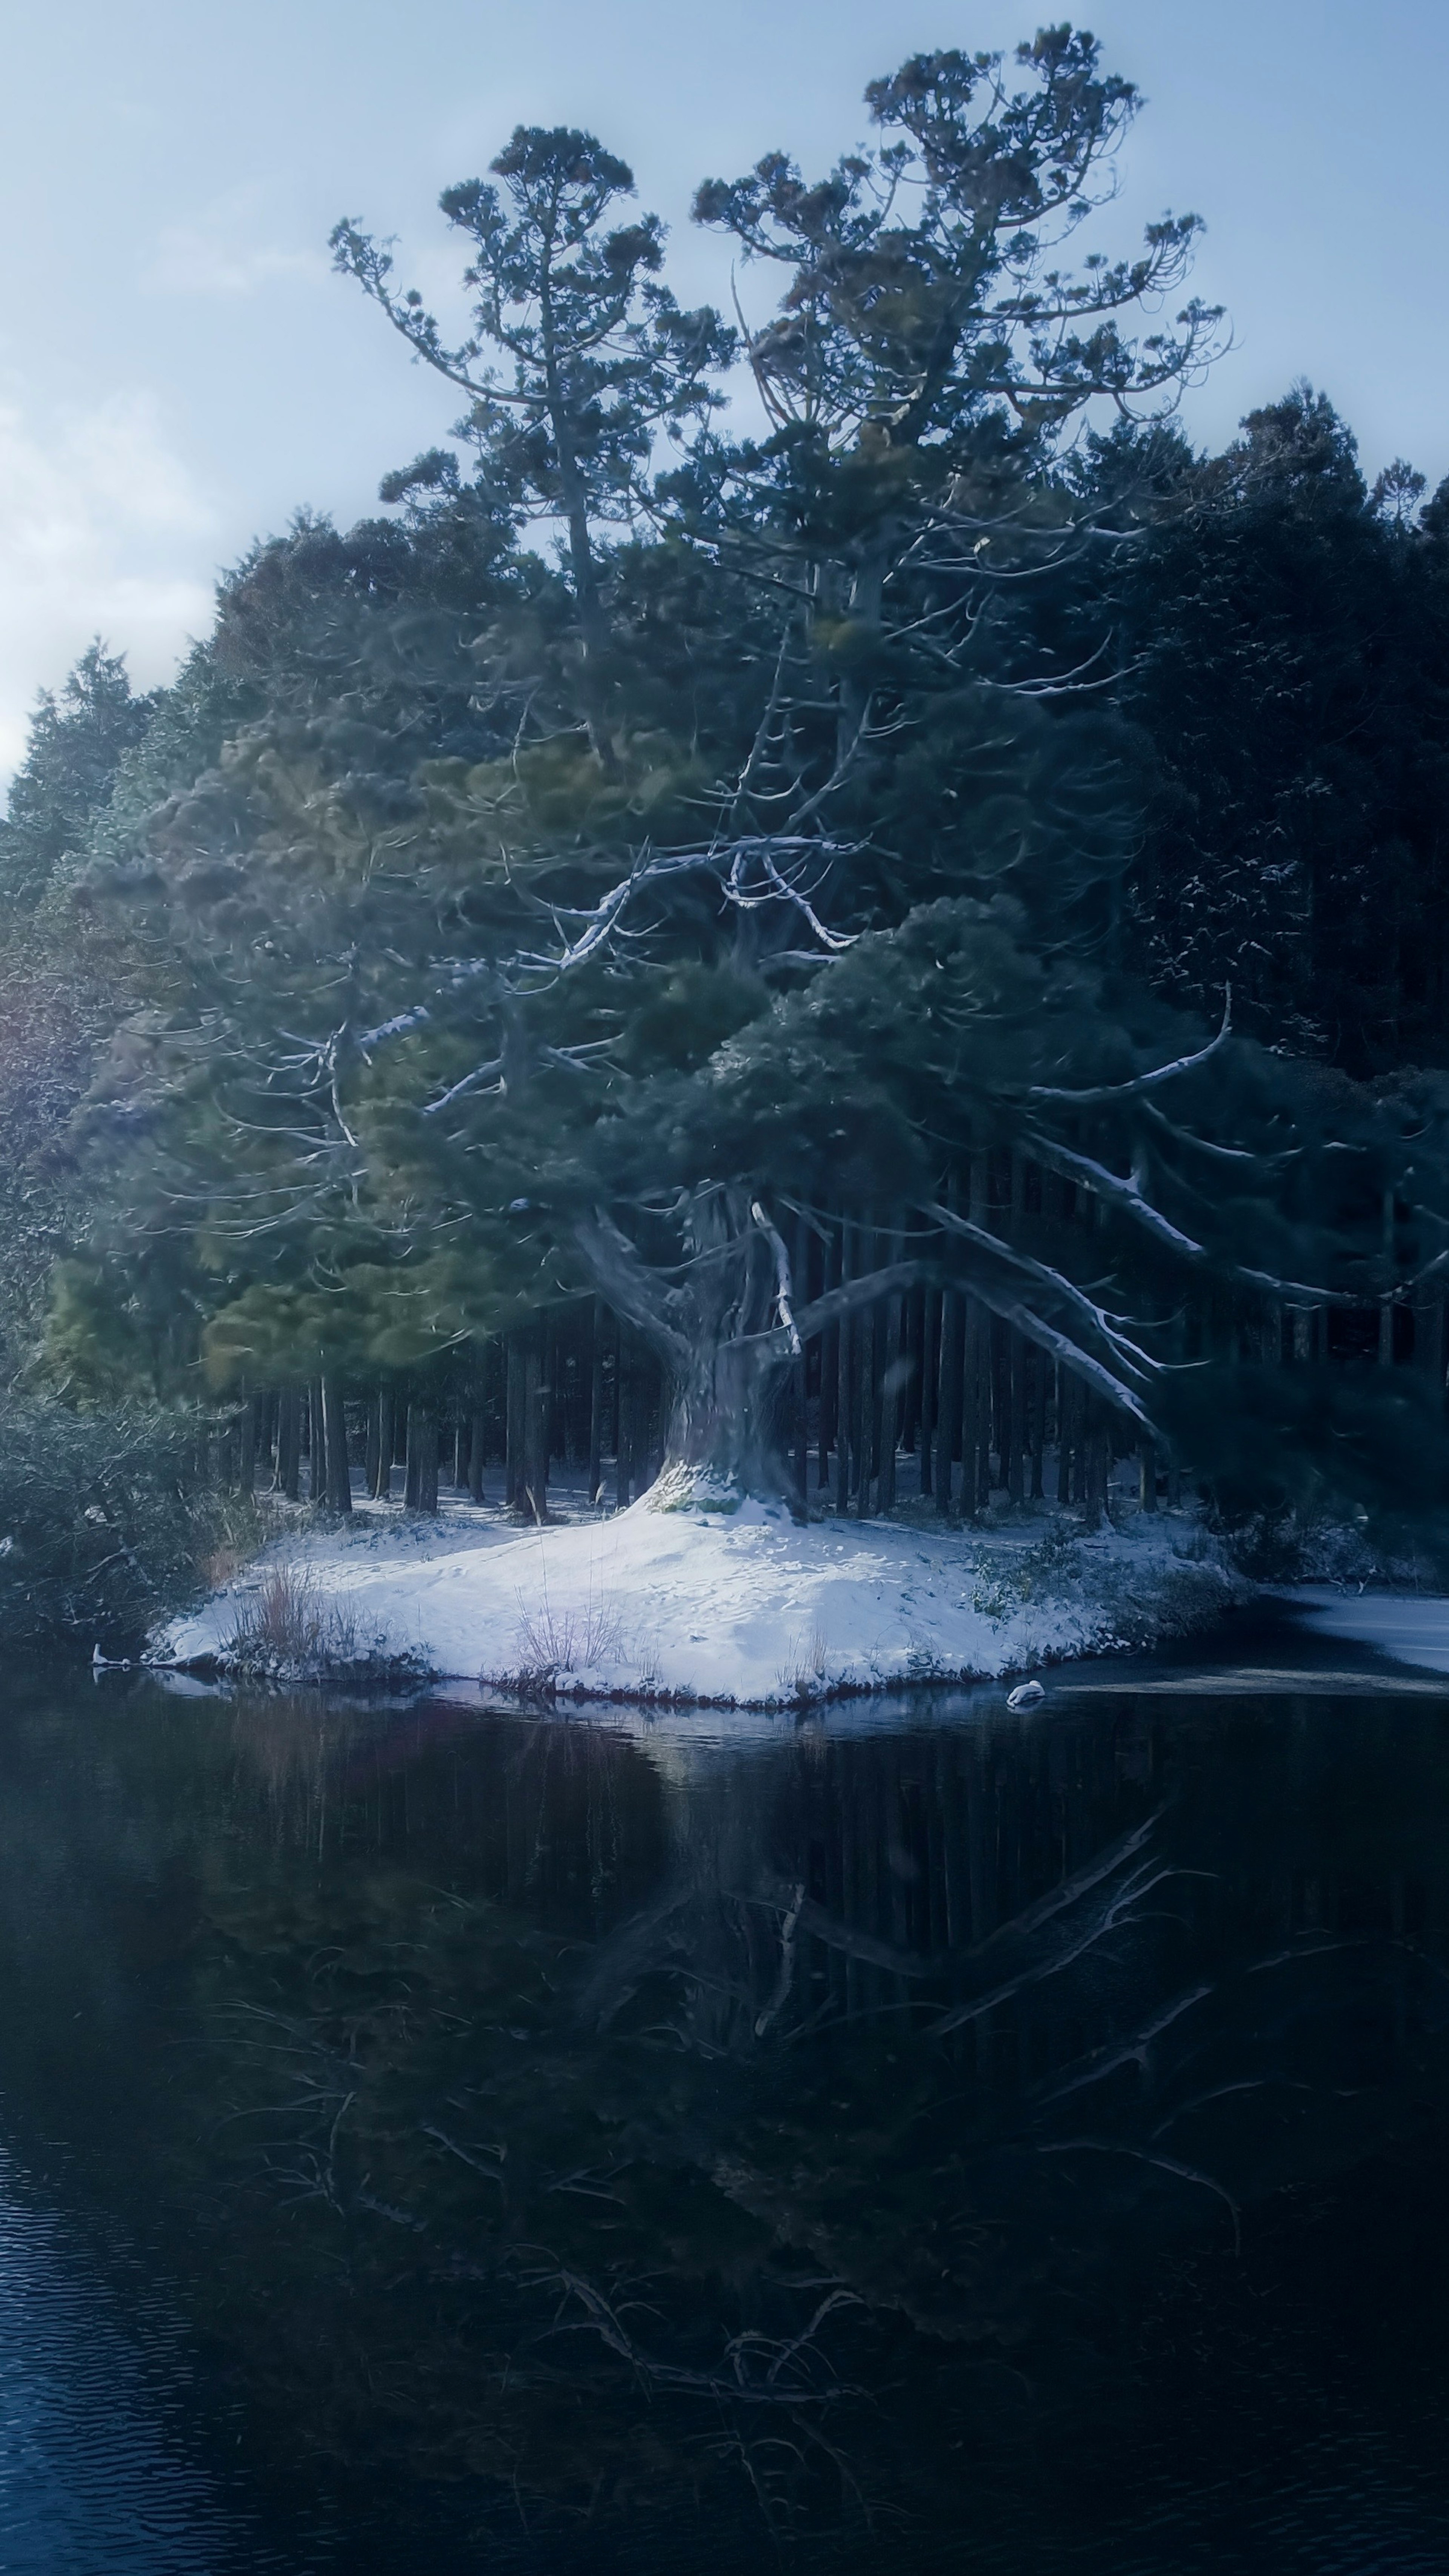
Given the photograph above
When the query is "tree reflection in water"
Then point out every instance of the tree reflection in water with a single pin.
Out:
(851, 2127)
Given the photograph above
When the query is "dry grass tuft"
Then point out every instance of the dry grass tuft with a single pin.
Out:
(287, 1624)
(549, 1642)
(802, 1675)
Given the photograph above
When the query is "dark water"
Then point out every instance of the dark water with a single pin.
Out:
(431, 2138)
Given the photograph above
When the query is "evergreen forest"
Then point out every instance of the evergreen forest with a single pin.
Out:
(819, 906)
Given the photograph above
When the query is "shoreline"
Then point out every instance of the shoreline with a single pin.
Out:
(683, 1606)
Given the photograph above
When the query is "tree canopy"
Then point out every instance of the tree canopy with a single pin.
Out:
(921, 834)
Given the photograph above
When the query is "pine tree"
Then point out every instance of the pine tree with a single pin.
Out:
(78, 740)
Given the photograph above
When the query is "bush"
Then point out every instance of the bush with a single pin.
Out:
(106, 1525)
(286, 1629)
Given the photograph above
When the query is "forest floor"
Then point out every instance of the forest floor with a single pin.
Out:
(744, 1608)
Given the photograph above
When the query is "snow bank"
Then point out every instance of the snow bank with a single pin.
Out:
(1411, 1628)
(739, 1608)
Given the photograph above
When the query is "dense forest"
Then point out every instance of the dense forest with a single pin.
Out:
(819, 905)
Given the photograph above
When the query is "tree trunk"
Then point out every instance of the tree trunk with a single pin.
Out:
(802, 1376)
(477, 1439)
(537, 1399)
(421, 1490)
(386, 1443)
(513, 1435)
(412, 1457)
(596, 1401)
(829, 1369)
(339, 1467)
(975, 1414)
(1039, 1366)
(949, 1426)
(890, 1409)
(289, 1444)
(870, 1397)
(624, 1425)
(1066, 1427)
(247, 1444)
(930, 1381)
(316, 1444)
(1016, 1390)
(844, 1374)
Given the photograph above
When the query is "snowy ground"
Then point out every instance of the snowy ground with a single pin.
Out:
(1414, 1629)
(745, 1608)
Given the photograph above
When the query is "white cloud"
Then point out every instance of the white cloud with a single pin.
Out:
(225, 251)
(101, 527)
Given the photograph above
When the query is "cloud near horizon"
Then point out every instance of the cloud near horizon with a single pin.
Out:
(99, 527)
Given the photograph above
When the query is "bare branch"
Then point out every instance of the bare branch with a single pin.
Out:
(1103, 1092)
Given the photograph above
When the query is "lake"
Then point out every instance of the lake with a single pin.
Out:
(915, 2135)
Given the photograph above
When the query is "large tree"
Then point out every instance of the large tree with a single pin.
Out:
(753, 878)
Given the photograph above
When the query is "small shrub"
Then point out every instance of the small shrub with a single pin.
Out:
(802, 1675)
(106, 1526)
(286, 1625)
(550, 1642)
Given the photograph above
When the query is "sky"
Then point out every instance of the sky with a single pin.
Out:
(180, 369)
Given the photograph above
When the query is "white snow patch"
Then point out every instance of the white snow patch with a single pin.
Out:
(1414, 1629)
(746, 1608)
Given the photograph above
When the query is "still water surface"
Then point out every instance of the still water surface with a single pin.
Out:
(433, 2137)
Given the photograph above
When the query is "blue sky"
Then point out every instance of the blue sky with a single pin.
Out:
(180, 369)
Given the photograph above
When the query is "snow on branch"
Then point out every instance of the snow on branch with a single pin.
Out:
(729, 862)
(1095, 1320)
(1100, 1093)
(783, 1289)
(1125, 1195)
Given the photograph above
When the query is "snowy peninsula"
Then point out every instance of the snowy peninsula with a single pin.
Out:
(741, 1607)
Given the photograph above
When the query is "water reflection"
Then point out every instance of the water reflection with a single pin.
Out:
(982, 2129)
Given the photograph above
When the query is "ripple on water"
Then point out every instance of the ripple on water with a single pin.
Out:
(96, 2422)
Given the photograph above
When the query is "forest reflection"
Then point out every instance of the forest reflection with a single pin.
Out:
(658, 2132)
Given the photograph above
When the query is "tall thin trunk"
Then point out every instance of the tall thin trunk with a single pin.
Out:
(420, 1491)
(930, 1380)
(829, 1368)
(317, 1443)
(381, 1487)
(412, 1462)
(800, 1375)
(890, 1385)
(844, 1374)
(247, 1444)
(339, 1468)
(596, 1400)
(950, 1425)
(1016, 1385)
(972, 1421)
(289, 1444)
(912, 1335)
(513, 1408)
(624, 1419)
(867, 1398)
(1000, 1400)
(537, 1398)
